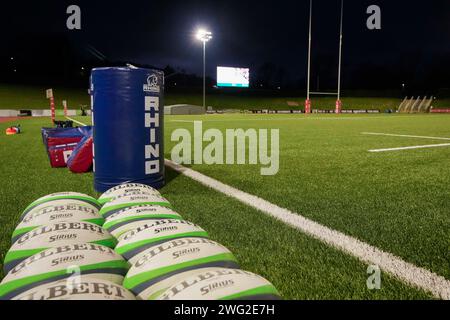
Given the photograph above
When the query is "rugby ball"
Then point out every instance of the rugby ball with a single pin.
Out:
(125, 188)
(68, 212)
(61, 262)
(153, 291)
(132, 217)
(62, 196)
(132, 199)
(48, 205)
(55, 235)
(155, 232)
(82, 288)
(221, 284)
(173, 257)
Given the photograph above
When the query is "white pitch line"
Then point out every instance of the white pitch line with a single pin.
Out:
(412, 147)
(80, 123)
(404, 136)
(409, 273)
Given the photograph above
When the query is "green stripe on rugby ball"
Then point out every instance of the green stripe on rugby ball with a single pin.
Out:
(172, 257)
(70, 212)
(53, 264)
(62, 196)
(220, 284)
(132, 199)
(156, 231)
(82, 288)
(123, 189)
(117, 222)
(55, 235)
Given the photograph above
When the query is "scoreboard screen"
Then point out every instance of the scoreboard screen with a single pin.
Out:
(233, 77)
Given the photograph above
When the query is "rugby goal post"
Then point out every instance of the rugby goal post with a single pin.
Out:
(338, 107)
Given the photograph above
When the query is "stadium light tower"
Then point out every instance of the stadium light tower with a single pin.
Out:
(204, 36)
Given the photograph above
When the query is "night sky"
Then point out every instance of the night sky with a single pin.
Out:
(413, 44)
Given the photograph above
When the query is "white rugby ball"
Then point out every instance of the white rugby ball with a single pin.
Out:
(82, 288)
(48, 205)
(175, 256)
(221, 284)
(61, 262)
(62, 196)
(55, 235)
(153, 291)
(131, 217)
(156, 231)
(125, 188)
(132, 199)
(68, 212)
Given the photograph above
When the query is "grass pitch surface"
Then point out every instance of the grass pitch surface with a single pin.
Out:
(396, 201)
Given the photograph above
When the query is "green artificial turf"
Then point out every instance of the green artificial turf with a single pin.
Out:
(398, 202)
(247, 102)
(33, 97)
(442, 103)
(299, 267)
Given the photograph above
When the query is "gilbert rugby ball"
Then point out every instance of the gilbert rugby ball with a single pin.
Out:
(132, 199)
(123, 189)
(61, 262)
(132, 217)
(62, 196)
(153, 291)
(55, 235)
(82, 288)
(48, 205)
(221, 284)
(68, 212)
(172, 257)
(155, 232)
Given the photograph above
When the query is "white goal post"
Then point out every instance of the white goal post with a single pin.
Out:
(308, 91)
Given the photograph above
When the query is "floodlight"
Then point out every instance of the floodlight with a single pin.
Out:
(204, 35)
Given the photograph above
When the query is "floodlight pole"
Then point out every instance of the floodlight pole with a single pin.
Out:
(204, 36)
(338, 102)
(204, 75)
(308, 102)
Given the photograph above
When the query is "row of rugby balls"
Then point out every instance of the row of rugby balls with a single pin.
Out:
(128, 243)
